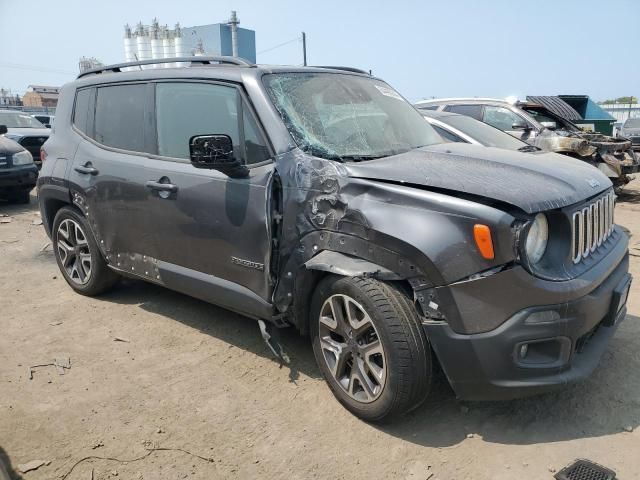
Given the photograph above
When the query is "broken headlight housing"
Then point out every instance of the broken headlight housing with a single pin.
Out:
(537, 239)
(22, 158)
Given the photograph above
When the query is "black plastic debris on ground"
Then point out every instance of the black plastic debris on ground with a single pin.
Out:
(585, 470)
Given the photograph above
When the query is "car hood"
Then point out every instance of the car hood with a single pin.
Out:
(533, 182)
(8, 146)
(30, 132)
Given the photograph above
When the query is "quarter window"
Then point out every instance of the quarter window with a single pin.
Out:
(501, 118)
(81, 109)
(119, 118)
(447, 135)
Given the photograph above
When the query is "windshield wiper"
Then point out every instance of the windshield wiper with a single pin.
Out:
(360, 158)
(528, 148)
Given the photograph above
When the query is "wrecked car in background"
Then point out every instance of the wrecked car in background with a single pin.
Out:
(320, 199)
(538, 126)
(630, 130)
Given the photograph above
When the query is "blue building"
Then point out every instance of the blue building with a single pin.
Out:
(215, 39)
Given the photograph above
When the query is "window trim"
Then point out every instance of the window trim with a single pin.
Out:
(243, 99)
(90, 112)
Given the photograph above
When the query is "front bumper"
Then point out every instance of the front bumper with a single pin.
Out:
(19, 178)
(564, 341)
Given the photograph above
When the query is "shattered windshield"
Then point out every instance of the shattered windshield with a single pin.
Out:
(347, 117)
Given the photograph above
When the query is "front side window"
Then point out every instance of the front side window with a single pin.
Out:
(347, 117)
(119, 120)
(501, 118)
(184, 110)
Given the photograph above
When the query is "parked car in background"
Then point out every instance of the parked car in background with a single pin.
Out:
(454, 127)
(542, 128)
(45, 119)
(25, 130)
(18, 173)
(631, 131)
(318, 198)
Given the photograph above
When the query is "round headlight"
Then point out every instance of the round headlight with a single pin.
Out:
(537, 238)
(22, 158)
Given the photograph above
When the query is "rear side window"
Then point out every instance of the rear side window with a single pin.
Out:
(81, 110)
(474, 111)
(119, 117)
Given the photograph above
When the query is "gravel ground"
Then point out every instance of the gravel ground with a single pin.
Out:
(194, 379)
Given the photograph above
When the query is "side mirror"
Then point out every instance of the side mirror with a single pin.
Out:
(215, 152)
(3, 129)
(549, 125)
(520, 126)
(48, 125)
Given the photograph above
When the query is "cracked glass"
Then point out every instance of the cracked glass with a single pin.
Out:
(347, 117)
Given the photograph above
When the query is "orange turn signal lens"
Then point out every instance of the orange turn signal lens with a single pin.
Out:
(482, 235)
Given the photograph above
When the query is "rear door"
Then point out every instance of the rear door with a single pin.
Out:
(108, 174)
(208, 226)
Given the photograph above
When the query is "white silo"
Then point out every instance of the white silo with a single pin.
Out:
(157, 48)
(143, 43)
(167, 45)
(130, 47)
(179, 44)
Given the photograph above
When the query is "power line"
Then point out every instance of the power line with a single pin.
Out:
(35, 68)
(297, 39)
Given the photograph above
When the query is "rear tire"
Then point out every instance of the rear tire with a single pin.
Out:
(78, 256)
(376, 317)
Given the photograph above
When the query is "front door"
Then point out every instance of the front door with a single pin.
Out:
(212, 232)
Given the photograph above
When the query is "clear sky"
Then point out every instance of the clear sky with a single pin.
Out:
(423, 48)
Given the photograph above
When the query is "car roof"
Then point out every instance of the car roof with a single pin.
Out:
(223, 71)
(438, 114)
(465, 100)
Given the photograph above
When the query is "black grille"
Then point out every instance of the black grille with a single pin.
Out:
(585, 470)
(635, 140)
(33, 144)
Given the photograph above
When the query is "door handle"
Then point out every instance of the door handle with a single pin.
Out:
(162, 187)
(86, 169)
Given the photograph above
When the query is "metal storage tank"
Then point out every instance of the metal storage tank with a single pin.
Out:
(179, 44)
(130, 47)
(168, 45)
(157, 48)
(143, 43)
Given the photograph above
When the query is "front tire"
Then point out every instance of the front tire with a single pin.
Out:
(79, 259)
(370, 346)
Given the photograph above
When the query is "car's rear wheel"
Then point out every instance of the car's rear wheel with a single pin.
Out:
(370, 346)
(78, 256)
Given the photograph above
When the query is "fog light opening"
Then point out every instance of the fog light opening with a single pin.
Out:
(524, 349)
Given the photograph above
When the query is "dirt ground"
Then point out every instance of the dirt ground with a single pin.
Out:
(194, 377)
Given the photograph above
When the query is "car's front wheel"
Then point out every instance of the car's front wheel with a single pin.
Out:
(78, 256)
(370, 346)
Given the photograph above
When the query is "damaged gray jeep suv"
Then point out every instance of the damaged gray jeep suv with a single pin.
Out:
(319, 198)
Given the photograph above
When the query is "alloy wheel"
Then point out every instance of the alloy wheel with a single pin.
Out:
(73, 251)
(351, 348)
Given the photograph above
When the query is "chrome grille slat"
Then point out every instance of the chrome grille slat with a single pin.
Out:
(591, 226)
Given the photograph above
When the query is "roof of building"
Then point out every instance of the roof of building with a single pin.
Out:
(44, 89)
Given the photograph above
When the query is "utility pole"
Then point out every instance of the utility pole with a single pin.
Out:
(304, 48)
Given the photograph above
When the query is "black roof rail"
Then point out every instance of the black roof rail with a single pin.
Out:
(191, 60)
(346, 69)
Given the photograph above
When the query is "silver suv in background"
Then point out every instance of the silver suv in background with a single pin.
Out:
(26, 130)
(542, 128)
(631, 131)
